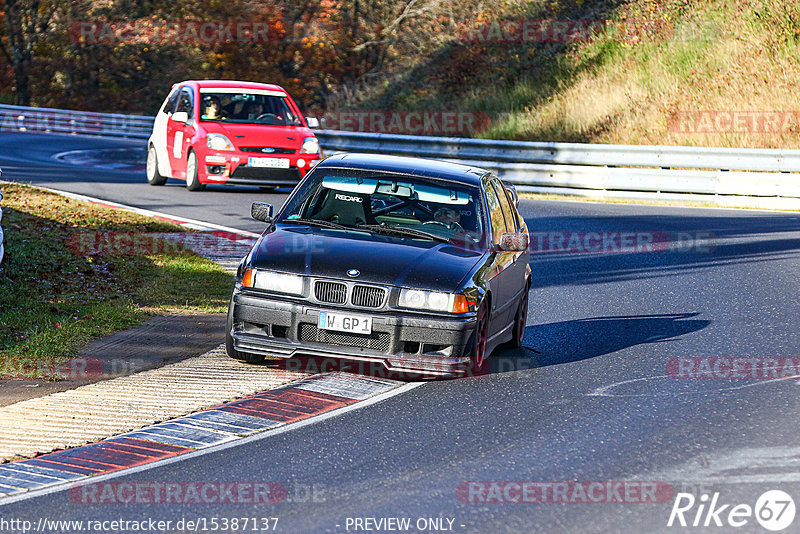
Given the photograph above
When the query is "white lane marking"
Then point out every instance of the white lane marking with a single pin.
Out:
(12, 477)
(174, 428)
(740, 466)
(216, 448)
(604, 391)
(189, 223)
(38, 471)
(213, 425)
(166, 439)
(346, 385)
(18, 469)
(247, 422)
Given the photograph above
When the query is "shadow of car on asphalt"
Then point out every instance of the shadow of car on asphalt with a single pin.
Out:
(545, 345)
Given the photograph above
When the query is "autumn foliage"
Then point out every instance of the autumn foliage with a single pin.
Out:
(123, 55)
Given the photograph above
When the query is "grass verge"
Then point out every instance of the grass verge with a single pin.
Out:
(56, 296)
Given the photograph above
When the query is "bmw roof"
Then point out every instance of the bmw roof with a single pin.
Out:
(407, 165)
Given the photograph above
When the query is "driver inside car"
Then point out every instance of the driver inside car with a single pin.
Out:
(253, 110)
(449, 217)
(212, 108)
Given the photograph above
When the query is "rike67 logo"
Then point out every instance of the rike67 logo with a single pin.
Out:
(774, 510)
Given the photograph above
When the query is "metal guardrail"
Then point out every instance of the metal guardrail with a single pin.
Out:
(573, 166)
(547, 167)
(519, 152)
(46, 120)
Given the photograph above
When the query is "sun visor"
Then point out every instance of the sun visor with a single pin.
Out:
(349, 184)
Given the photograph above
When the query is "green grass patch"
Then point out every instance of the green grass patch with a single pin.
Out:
(56, 297)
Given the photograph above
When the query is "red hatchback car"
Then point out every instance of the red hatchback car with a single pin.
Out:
(230, 132)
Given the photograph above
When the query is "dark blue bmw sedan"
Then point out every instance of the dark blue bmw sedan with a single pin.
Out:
(419, 265)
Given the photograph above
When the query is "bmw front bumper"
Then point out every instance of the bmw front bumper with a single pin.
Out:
(401, 341)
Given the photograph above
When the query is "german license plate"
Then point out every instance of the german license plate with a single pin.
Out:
(340, 322)
(270, 163)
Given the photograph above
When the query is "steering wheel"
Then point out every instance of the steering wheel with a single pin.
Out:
(270, 116)
(453, 226)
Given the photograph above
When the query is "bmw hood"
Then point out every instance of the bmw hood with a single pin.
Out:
(379, 259)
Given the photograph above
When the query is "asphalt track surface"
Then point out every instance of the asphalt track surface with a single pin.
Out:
(590, 399)
(32, 158)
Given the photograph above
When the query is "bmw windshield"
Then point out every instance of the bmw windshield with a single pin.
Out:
(405, 206)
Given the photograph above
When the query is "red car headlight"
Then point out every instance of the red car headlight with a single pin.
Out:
(310, 146)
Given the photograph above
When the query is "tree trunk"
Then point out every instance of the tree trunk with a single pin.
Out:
(22, 79)
(26, 25)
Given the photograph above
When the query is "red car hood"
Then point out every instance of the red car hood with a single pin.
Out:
(261, 135)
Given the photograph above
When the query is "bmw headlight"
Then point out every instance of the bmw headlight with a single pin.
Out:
(216, 141)
(432, 301)
(310, 146)
(291, 284)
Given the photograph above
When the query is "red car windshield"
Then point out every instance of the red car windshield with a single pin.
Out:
(247, 108)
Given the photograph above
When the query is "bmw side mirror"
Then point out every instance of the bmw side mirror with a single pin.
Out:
(261, 211)
(180, 116)
(514, 242)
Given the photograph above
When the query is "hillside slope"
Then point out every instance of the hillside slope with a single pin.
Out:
(681, 72)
